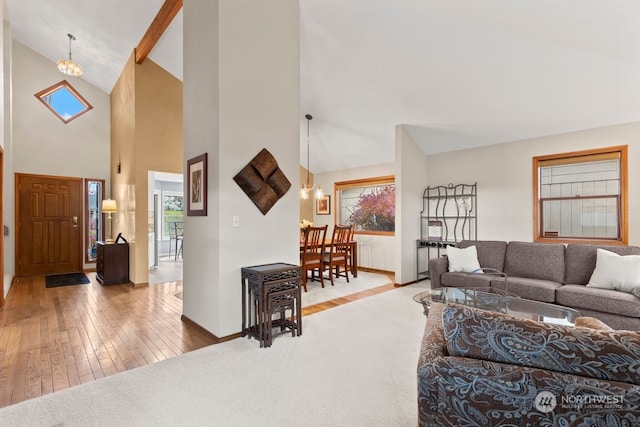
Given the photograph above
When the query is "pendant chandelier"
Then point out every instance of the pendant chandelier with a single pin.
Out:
(68, 66)
(306, 188)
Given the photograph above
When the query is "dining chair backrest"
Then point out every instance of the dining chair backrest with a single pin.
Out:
(351, 232)
(340, 239)
(178, 229)
(311, 254)
(314, 238)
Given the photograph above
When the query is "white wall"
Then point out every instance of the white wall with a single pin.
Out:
(42, 143)
(37, 142)
(373, 251)
(241, 94)
(411, 176)
(504, 176)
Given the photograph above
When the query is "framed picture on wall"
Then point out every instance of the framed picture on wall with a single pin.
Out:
(323, 206)
(197, 186)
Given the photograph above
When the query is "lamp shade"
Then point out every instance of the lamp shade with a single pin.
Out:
(109, 206)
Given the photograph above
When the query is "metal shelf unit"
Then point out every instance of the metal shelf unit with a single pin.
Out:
(449, 215)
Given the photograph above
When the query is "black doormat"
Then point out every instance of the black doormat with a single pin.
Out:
(57, 280)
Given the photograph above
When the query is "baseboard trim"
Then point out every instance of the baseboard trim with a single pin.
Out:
(138, 285)
(400, 285)
(204, 331)
(390, 274)
(375, 270)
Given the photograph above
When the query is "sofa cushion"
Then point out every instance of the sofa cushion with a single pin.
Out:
(535, 260)
(466, 280)
(534, 289)
(433, 338)
(617, 272)
(580, 260)
(460, 391)
(490, 252)
(603, 300)
(485, 335)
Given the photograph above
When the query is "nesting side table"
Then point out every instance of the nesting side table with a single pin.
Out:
(269, 289)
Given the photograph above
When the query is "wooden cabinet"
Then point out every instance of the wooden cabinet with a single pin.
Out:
(112, 265)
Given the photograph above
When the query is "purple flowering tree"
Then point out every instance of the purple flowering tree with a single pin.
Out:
(375, 211)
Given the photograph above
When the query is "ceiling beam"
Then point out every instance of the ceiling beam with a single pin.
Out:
(160, 23)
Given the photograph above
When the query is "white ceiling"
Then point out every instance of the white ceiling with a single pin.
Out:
(458, 73)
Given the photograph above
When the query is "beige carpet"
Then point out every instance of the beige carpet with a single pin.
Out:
(365, 280)
(354, 365)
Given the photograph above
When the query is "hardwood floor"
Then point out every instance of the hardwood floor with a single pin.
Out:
(56, 338)
(52, 339)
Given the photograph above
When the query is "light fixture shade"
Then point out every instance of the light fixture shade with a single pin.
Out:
(304, 192)
(318, 193)
(67, 66)
(109, 206)
(306, 188)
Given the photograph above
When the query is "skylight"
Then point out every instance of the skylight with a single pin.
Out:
(64, 101)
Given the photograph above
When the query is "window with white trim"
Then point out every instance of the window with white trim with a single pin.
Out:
(172, 211)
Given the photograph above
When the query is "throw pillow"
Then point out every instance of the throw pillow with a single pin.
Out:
(592, 323)
(618, 272)
(463, 260)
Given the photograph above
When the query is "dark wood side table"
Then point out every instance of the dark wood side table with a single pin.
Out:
(112, 263)
(258, 283)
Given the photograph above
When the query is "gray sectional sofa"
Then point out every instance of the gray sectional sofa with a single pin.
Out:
(548, 272)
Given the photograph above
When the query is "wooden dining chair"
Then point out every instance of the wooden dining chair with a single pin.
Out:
(338, 253)
(350, 257)
(311, 255)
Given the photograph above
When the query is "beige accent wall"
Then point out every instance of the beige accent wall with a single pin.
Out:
(306, 206)
(146, 131)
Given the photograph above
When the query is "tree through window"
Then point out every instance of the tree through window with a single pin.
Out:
(369, 204)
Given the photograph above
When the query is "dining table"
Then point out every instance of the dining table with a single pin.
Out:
(353, 251)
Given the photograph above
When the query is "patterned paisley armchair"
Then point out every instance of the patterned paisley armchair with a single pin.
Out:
(479, 368)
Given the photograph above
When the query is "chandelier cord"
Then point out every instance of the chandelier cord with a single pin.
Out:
(308, 125)
(71, 37)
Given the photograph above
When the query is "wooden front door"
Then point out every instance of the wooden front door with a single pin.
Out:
(49, 216)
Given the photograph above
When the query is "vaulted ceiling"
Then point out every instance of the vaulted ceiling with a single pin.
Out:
(457, 73)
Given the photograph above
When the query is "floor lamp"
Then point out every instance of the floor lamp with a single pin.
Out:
(109, 206)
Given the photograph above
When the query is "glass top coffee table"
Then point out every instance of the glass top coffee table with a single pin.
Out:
(486, 299)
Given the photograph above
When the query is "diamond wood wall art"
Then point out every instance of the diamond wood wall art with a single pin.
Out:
(197, 186)
(263, 181)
